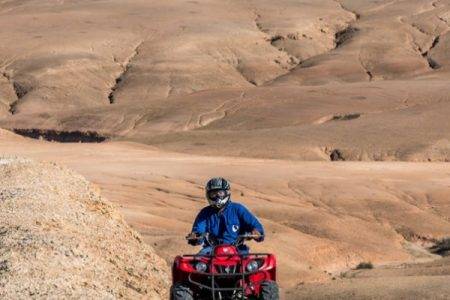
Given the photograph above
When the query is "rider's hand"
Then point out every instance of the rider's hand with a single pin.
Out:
(193, 238)
(259, 237)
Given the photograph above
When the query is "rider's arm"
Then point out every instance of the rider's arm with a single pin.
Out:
(250, 221)
(199, 226)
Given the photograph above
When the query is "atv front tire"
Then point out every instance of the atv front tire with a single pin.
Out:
(181, 291)
(269, 291)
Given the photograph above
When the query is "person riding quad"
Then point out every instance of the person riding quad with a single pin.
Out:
(223, 219)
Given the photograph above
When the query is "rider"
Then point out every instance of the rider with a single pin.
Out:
(223, 219)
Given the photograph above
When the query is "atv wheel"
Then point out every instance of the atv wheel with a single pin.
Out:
(269, 291)
(181, 291)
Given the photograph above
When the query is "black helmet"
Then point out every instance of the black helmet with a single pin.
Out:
(217, 192)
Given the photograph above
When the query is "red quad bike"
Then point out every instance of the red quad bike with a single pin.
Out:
(225, 274)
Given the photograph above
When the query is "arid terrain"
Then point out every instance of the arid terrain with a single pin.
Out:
(329, 117)
(60, 240)
(322, 218)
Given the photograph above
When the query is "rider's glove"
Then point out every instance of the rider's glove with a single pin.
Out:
(260, 238)
(193, 239)
(193, 242)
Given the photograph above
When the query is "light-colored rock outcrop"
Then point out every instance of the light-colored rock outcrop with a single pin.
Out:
(60, 239)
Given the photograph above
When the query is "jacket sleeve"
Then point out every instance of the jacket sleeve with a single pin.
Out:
(199, 227)
(249, 220)
(200, 222)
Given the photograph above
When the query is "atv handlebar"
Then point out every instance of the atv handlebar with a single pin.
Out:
(250, 236)
(213, 241)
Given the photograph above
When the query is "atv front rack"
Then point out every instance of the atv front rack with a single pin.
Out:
(214, 276)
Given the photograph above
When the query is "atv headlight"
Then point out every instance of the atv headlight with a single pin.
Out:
(252, 266)
(201, 267)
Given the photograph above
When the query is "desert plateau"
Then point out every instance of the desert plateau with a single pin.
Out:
(330, 118)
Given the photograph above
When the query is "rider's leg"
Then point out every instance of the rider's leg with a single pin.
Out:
(205, 250)
(243, 249)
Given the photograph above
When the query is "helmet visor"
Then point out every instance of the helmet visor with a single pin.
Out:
(220, 194)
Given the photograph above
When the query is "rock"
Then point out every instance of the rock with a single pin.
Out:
(336, 155)
(60, 238)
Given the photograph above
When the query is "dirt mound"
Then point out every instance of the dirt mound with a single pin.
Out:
(60, 239)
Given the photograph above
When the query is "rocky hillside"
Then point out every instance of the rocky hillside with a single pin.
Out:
(59, 238)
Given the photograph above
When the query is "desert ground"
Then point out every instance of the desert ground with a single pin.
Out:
(330, 118)
(322, 219)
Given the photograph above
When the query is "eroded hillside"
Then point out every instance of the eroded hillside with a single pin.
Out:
(274, 80)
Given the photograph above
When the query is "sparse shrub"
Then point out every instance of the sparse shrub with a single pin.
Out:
(364, 265)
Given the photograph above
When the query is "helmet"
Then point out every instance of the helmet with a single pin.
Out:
(217, 192)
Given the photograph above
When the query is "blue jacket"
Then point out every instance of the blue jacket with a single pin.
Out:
(226, 225)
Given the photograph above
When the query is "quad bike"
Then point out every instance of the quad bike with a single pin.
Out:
(225, 273)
